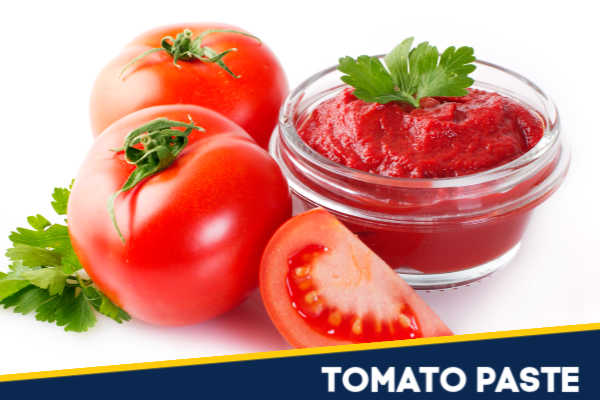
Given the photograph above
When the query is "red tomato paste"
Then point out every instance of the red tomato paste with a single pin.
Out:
(446, 137)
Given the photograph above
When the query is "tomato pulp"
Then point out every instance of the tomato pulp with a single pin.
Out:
(322, 286)
(306, 299)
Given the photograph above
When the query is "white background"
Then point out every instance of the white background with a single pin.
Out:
(52, 51)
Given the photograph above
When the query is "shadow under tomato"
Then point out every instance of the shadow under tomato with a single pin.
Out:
(245, 329)
(249, 323)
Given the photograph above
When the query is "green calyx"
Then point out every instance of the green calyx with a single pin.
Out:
(187, 48)
(151, 148)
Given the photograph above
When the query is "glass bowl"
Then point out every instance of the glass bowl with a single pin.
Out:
(436, 233)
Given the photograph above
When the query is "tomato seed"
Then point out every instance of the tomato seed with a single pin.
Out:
(357, 326)
(335, 318)
(311, 297)
(301, 271)
(404, 321)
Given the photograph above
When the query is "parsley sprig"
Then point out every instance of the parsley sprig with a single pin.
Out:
(411, 74)
(43, 276)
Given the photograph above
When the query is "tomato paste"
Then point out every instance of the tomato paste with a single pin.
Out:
(446, 137)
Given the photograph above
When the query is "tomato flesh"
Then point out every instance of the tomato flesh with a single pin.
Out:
(328, 319)
(322, 286)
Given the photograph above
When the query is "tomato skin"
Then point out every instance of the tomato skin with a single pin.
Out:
(319, 226)
(194, 232)
(252, 101)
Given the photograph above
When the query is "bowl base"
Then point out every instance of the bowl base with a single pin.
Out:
(421, 281)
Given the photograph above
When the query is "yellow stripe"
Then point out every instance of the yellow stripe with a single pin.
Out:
(299, 352)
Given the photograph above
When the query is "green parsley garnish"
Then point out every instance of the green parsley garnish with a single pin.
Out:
(43, 276)
(411, 74)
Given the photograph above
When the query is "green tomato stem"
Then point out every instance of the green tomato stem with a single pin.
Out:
(151, 148)
(186, 48)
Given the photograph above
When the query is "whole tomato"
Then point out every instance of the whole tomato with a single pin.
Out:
(229, 72)
(193, 231)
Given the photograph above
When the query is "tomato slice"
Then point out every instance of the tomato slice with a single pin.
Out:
(322, 286)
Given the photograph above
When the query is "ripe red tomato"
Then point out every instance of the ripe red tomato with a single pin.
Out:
(322, 286)
(252, 100)
(194, 233)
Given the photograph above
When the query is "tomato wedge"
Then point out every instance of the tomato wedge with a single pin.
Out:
(322, 286)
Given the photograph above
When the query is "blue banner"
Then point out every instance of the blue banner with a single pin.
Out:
(552, 363)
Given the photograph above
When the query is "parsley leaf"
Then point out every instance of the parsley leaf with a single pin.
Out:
(411, 74)
(10, 284)
(38, 222)
(71, 309)
(74, 312)
(61, 198)
(43, 245)
(104, 306)
(27, 299)
(43, 277)
(32, 256)
(371, 81)
(50, 278)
